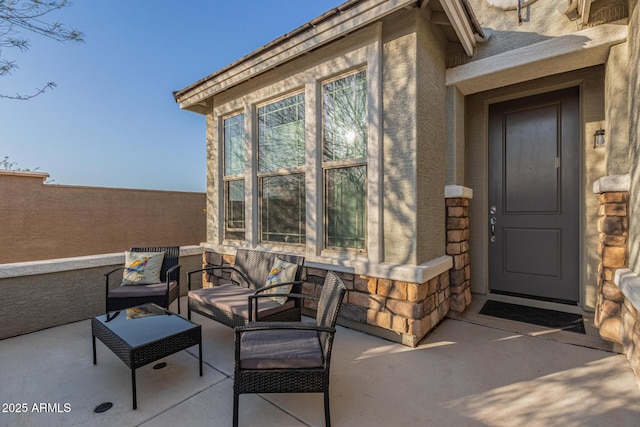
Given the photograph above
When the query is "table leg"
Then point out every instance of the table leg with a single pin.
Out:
(200, 356)
(94, 349)
(133, 388)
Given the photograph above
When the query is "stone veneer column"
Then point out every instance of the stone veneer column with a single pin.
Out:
(613, 226)
(457, 202)
(215, 259)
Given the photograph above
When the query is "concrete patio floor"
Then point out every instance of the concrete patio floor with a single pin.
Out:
(463, 374)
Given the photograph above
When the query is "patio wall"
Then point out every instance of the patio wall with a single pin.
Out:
(42, 221)
(42, 294)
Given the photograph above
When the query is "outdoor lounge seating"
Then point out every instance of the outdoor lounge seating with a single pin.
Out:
(285, 357)
(161, 292)
(228, 302)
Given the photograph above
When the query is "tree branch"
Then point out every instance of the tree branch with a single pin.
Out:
(40, 91)
(21, 15)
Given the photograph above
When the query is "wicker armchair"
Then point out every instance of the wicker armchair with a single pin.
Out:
(162, 294)
(228, 303)
(285, 357)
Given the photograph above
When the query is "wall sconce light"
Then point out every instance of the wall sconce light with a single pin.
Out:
(598, 138)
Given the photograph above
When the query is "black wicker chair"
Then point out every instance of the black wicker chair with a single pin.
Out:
(228, 303)
(162, 294)
(289, 357)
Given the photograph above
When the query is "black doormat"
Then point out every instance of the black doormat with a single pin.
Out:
(536, 316)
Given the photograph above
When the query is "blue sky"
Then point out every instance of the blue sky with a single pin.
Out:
(112, 120)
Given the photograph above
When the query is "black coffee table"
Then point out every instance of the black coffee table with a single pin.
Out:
(144, 334)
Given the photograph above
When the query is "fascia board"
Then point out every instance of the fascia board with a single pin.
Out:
(565, 53)
(343, 23)
(457, 15)
(585, 11)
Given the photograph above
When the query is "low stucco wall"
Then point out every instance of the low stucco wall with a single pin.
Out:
(41, 221)
(43, 294)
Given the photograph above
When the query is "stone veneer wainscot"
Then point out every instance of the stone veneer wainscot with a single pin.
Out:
(400, 310)
(618, 287)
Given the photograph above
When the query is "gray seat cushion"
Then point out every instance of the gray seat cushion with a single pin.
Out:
(130, 291)
(235, 299)
(280, 348)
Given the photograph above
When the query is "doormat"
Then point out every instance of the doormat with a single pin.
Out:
(536, 316)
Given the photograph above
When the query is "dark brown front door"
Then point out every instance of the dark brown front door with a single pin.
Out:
(533, 196)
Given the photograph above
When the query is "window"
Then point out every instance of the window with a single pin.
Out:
(281, 134)
(346, 207)
(344, 138)
(281, 157)
(283, 209)
(234, 166)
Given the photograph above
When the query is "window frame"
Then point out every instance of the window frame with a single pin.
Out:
(329, 165)
(227, 232)
(294, 170)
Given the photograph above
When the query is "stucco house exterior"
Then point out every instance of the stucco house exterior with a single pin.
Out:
(431, 150)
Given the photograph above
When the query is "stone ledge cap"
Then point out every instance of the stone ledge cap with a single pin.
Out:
(457, 192)
(612, 183)
(47, 266)
(360, 266)
(629, 283)
(29, 174)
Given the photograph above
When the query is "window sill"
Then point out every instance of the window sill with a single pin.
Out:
(351, 263)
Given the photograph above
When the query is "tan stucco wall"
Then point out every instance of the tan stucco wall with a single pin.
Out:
(542, 20)
(591, 82)
(212, 231)
(399, 136)
(634, 135)
(431, 142)
(56, 221)
(455, 136)
(617, 110)
(412, 140)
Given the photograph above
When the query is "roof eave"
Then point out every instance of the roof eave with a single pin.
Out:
(334, 24)
(464, 23)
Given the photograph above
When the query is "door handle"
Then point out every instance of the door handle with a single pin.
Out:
(492, 222)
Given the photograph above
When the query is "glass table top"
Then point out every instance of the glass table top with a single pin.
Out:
(144, 323)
